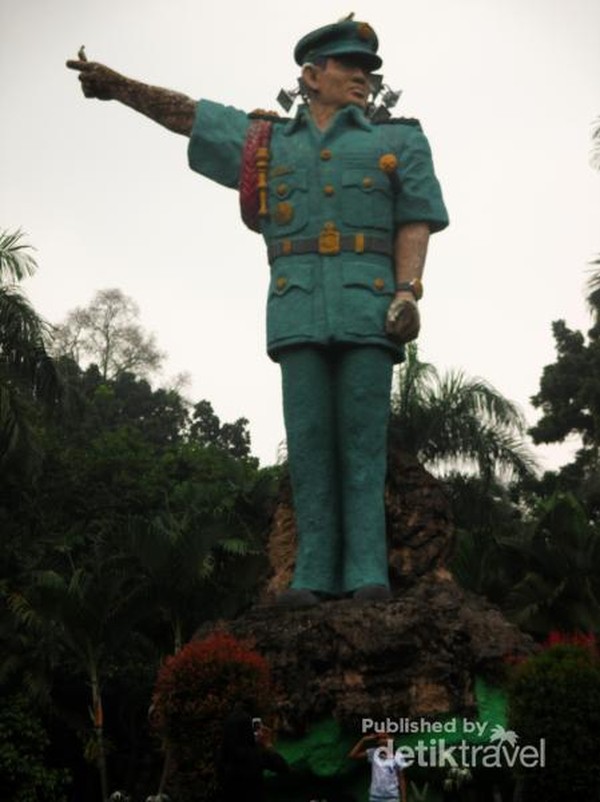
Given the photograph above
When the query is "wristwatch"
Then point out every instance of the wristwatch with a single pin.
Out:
(415, 286)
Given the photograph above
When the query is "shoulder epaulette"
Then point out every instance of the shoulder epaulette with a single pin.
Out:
(399, 121)
(270, 116)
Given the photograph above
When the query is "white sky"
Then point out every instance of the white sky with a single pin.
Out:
(506, 91)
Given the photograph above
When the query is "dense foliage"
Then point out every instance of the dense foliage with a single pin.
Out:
(556, 696)
(141, 516)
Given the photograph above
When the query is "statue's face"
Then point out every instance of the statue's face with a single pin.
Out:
(341, 81)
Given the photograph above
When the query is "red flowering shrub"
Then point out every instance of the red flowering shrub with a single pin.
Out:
(587, 640)
(195, 691)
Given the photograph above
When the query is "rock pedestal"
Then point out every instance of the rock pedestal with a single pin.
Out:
(416, 655)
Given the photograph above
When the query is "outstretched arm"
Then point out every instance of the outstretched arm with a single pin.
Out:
(172, 109)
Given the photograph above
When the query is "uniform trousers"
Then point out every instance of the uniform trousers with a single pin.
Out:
(336, 404)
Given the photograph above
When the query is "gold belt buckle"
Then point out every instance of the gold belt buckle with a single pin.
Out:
(329, 240)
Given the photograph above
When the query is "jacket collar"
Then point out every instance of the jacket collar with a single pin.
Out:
(349, 115)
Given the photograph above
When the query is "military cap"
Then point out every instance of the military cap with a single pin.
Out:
(340, 39)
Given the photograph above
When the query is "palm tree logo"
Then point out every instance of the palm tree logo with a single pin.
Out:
(502, 736)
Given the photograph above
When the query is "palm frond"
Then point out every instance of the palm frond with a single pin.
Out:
(453, 420)
(16, 261)
(593, 290)
(595, 154)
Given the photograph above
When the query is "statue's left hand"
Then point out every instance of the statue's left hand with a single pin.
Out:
(403, 321)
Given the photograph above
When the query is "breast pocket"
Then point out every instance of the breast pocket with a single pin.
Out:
(288, 203)
(367, 200)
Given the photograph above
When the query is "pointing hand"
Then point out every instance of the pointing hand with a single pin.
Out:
(96, 80)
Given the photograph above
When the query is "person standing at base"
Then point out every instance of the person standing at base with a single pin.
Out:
(346, 204)
(246, 753)
(388, 783)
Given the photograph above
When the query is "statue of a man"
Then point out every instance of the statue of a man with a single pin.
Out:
(346, 206)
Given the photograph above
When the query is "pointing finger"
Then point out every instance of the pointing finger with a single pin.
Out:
(79, 65)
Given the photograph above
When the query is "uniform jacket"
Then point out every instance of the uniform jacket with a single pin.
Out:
(319, 180)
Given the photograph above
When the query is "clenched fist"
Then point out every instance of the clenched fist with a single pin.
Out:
(403, 321)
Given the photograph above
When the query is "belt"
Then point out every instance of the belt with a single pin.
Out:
(329, 243)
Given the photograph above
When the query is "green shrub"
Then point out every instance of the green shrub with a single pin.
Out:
(195, 691)
(556, 695)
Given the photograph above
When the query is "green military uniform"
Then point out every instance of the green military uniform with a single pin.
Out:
(334, 206)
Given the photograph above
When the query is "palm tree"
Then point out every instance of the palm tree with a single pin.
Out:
(83, 612)
(455, 421)
(489, 528)
(180, 551)
(560, 585)
(28, 376)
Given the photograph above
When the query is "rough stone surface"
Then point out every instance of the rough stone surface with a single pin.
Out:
(416, 655)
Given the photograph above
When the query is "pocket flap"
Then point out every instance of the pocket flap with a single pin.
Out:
(378, 280)
(282, 281)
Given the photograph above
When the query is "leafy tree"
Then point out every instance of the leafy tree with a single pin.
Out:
(206, 430)
(28, 378)
(452, 420)
(133, 535)
(569, 400)
(161, 416)
(108, 334)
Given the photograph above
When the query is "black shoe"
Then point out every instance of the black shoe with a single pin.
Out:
(372, 593)
(295, 598)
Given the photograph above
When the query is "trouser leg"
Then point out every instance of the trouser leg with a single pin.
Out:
(308, 379)
(364, 377)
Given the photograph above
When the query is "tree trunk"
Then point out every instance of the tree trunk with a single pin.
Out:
(98, 720)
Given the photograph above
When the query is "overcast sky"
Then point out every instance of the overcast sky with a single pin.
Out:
(506, 90)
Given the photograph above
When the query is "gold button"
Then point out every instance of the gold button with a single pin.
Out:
(326, 154)
(379, 283)
(281, 283)
(284, 213)
(388, 163)
(329, 190)
(367, 182)
(282, 189)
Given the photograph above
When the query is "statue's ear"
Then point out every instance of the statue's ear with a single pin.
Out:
(309, 80)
